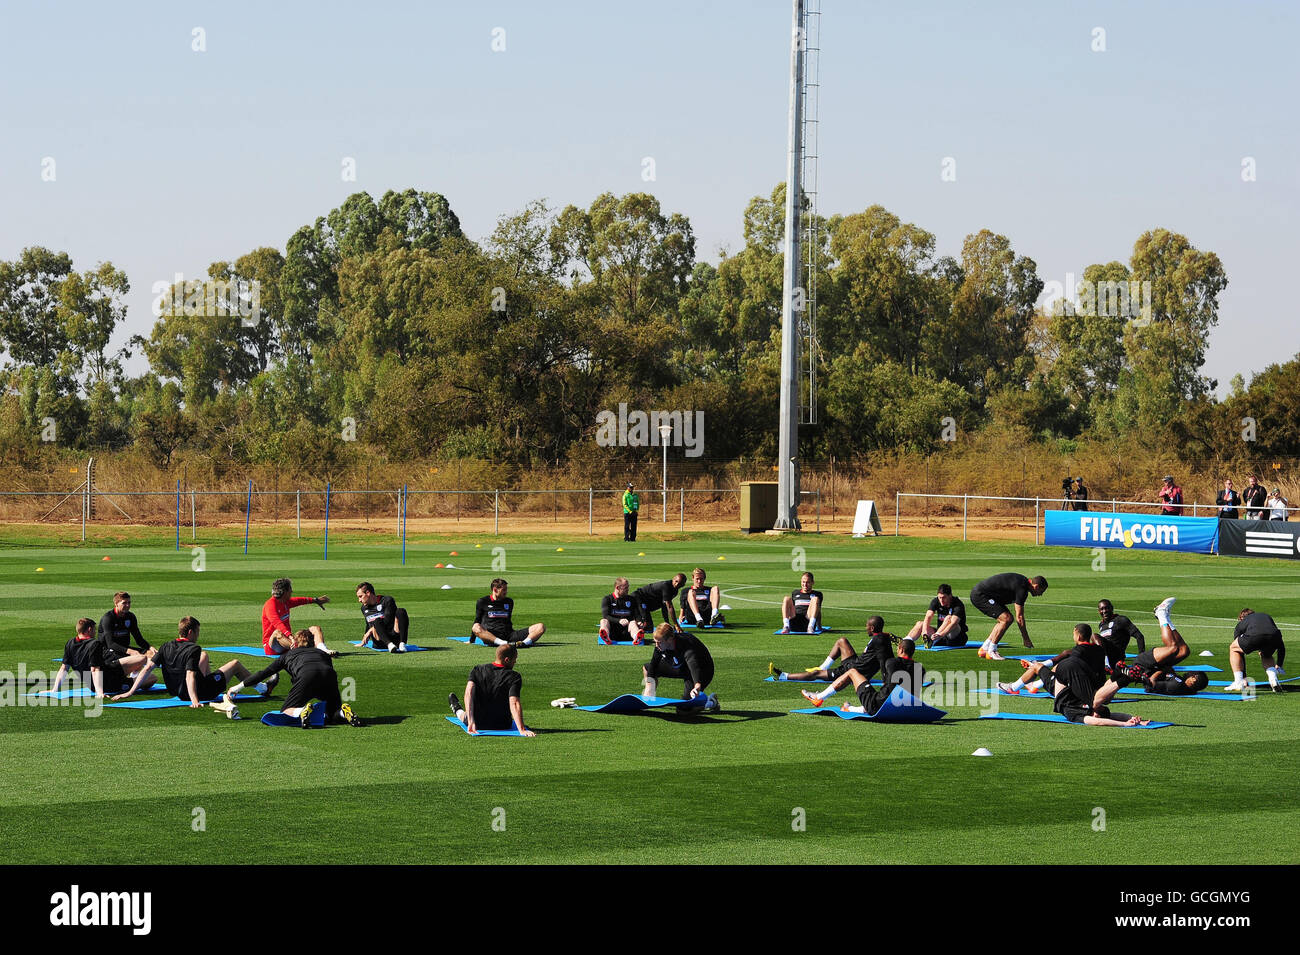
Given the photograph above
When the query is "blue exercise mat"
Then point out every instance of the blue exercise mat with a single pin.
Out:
(277, 718)
(804, 633)
(410, 648)
(972, 645)
(1031, 657)
(695, 626)
(170, 702)
(247, 651)
(1140, 692)
(772, 679)
(635, 703)
(1259, 684)
(456, 722)
(900, 707)
(461, 639)
(624, 643)
(1198, 668)
(1058, 718)
(87, 691)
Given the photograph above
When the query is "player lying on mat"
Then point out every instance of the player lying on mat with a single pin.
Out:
(1079, 687)
(1154, 668)
(869, 662)
(620, 617)
(314, 678)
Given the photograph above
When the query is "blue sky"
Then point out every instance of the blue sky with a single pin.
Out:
(167, 159)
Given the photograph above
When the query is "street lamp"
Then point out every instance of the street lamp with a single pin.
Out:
(665, 432)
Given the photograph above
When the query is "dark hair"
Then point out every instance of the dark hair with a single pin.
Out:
(366, 586)
(497, 583)
(1245, 612)
(945, 589)
(121, 595)
(1084, 630)
(1200, 679)
(506, 652)
(875, 624)
(1040, 582)
(85, 625)
(187, 626)
(281, 586)
(1104, 602)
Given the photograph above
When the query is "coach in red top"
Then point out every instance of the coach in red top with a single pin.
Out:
(1171, 497)
(277, 635)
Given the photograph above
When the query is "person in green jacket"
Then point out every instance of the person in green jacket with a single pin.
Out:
(631, 504)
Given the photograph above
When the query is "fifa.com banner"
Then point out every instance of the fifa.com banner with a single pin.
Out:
(1199, 535)
(1260, 539)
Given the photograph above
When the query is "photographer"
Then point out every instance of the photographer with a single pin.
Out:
(1080, 495)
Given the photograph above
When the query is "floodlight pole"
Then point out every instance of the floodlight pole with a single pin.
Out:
(787, 492)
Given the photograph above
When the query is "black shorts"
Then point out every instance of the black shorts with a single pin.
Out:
(799, 624)
(955, 639)
(317, 684)
(840, 670)
(1265, 645)
(208, 687)
(1071, 707)
(514, 636)
(871, 698)
(988, 606)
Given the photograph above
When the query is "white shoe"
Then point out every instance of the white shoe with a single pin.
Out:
(993, 655)
(1235, 686)
(1163, 608)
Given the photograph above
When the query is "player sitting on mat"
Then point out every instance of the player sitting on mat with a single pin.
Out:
(118, 626)
(277, 637)
(659, 596)
(869, 662)
(314, 678)
(99, 667)
(494, 620)
(701, 604)
(901, 670)
(945, 621)
(492, 696)
(620, 617)
(681, 656)
(1256, 632)
(387, 624)
(187, 671)
(802, 610)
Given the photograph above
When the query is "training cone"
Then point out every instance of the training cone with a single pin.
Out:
(640, 553)
(559, 550)
(40, 570)
(720, 557)
(446, 586)
(478, 545)
(106, 557)
(454, 554)
(451, 566)
(437, 565)
(981, 752)
(1207, 653)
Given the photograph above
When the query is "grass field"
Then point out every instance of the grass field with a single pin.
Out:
(409, 787)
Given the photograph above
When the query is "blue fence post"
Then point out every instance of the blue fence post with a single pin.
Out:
(327, 520)
(248, 511)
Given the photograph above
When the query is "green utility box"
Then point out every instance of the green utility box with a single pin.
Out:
(757, 506)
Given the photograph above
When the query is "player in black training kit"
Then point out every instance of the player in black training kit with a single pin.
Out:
(387, 624)
(1154, 668)
(186, 670)
(901, 670)
(879, 651)
(683, 656)
(493, 620)
(119, 625)
(492, 696)
(1078, 683)
(314, 678)
(1256, 632)
(659, 596)
(702, 601)
(991, 597)
(945, 621)
(802, 610)
(99, 667)
(620, 616)
(1115, 631)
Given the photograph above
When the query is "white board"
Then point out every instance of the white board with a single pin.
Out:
(866, 519)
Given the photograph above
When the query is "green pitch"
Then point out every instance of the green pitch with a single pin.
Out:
(749, 785)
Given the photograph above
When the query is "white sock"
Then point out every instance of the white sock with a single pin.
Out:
(1272, 676)
(787, 622)
(1239, 676)
(827, 693)
(401, 646)
(827, 663)
(650, 687)
(323, 648)
(782, 677)
(855, 709)
(1162, 618)
(1037, 684)
(390, 647)
(499, 642)
(528, 641)
(1019, 684)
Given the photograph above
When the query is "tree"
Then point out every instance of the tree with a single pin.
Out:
(31, 328)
